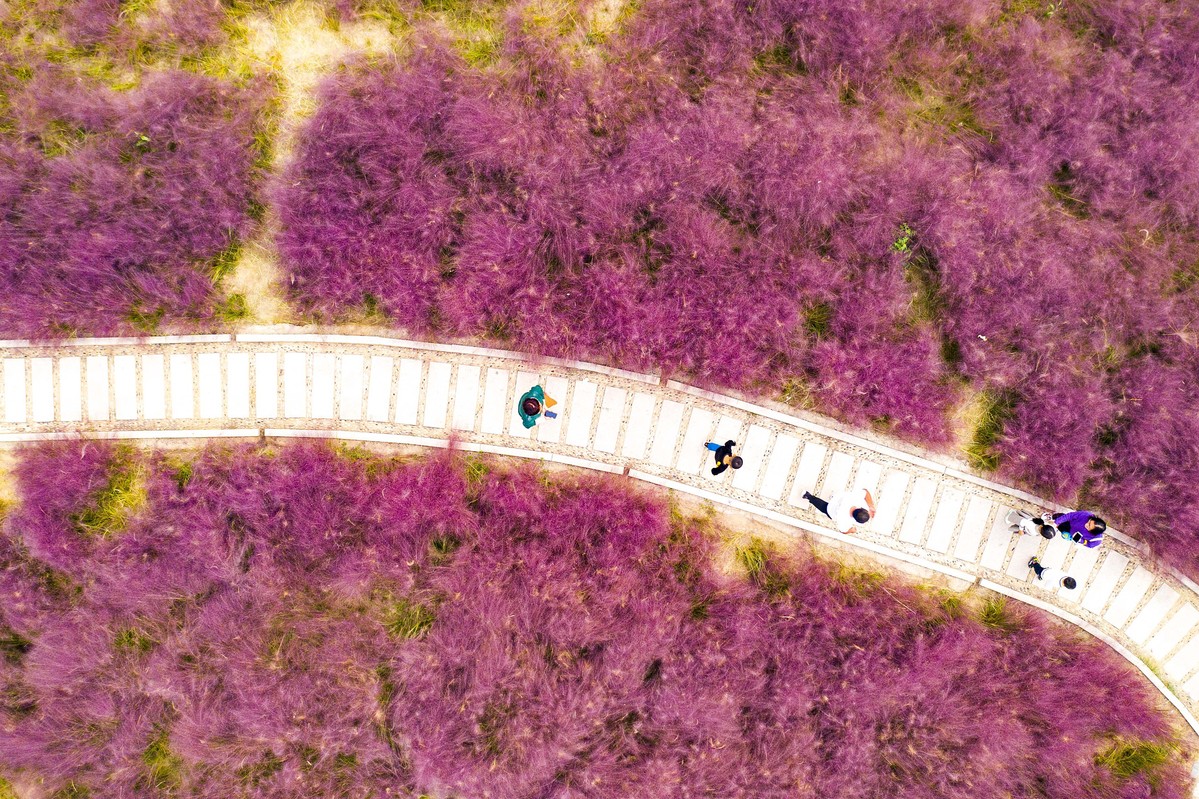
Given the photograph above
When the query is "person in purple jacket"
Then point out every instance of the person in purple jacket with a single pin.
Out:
(1081, 527)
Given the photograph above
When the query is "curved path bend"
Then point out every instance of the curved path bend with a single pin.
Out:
(932, 513)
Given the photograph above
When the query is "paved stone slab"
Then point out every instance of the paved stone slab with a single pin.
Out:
(999, 541)
(1184, 662)
(408, 389)
(1126, 601)
(70, 389)
(637, 431)
(41, 389)
(693, 455)
(1055, 552)
(666, 433)
(1152, 614)
(1081, 566)
(266, 385)
(869, 474)
(970, 536)
(124, 385)
(551, 430)
(324, 369)
(295, 385)
(1104, 582)
(1176, 630)
(945, 520)
(182, 404)
(778, 468)
(495, 401)
(728, 428)
(525, 381)
(1192, 688)
(836, 477)
(97, 388)
(237, 370)
(378, 392)
(919, 505)
(437, 394)
(351, 386)
(757, 439)
(466, 397)
(14, 390)
(1026, 547)
(154, 387)
(582, 411)
(889, 502)
(607, 428)
(807, 472)
(211, 384)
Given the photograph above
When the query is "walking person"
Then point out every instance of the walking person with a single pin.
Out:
(847, 509)
(724, 456)
(534, 404)
(1025, 523)
(1052, 575)
(1081, 527)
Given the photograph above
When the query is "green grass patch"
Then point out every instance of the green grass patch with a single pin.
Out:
(995, 615)
(754, 557)
(818, 320)
(943, 112)
(6, 790)
(72, 790)
(233, 308)
(406, 619)
(145, 319)
(996, 408)
(1062, 187)
(13, 646)
(797, 393)
(162, 767)
(112, 506)
(923, 275)
(1127, 759)
(267, 766)
(132, 641)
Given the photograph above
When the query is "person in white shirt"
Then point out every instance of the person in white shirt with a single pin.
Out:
(1052, 575)
(847, 509)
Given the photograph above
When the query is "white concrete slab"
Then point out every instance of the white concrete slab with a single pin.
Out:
(1191, 688)
(211, 385)
(1179, 626)
(466, 397)
(1081, 565)
(14, 390)
(237, 373)
(836, 477)
(889, 501)
(495, 401)
(757, 440)
(324, 371)
(266, 385)
(524, 381)
(182, 404)
(915, 518)
(778, 468)
(408, 391)
(437, 394)
(1026, 547)
(807, 471)
(378, 393)
(70, 389)
(295, 385)
(693, 454)
(869, 473)
(41, 389)
(1146, 622)
(154, 387)
(1056, 552)
(351, 386)
(97, 389)
(638, 429)
(124, 384)
(945, 520)
(1128, 597)
(1184, 662)
(579, 415)
(611, 417)
(666, 433)
(999, 541)
(552, 430)
(1100, 588)
(974, 523)
(729, 429)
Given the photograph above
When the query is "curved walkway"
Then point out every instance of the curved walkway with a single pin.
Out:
(930, 513)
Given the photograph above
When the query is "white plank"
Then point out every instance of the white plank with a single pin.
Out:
(182, 404)
(869, 473)
(611, 416)
(1080, 569)
(693, 454)
(124, 384)
(97, 388)
(945, 520)
(495, 401)
(970, 535)
(1192, 688)
(466, 397)
(266, 385)
(437, 394)
(550, 430)
(757, 440)
(1180, 625)
(1184, 662)
(807, 472)
(351, 386)
(637, 433)
(70, 389)
(998, 542)
(41, 389)
(836, 477)
(579, 414)
(919, 505)
(1026, 547)
(1100, 588)
(524, 382)
(408, 388)
(14, 390)
(889, 501)
(1126, 601)
(1152, 615)
(295, 385)
(666, 433)
(324, 371)
(1056, 551)
(237, 373)
(378, 393)
(154, 387)
(211, 385)
(778, 468)
(729, 429)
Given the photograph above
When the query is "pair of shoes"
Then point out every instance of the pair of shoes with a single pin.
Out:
(1014, 528)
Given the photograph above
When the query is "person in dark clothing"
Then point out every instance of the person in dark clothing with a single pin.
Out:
(724, 456)
(1081, 527)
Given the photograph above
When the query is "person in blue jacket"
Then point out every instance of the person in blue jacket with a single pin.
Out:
(1081, 527)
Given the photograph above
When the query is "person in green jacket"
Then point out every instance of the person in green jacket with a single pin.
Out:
(533, 404)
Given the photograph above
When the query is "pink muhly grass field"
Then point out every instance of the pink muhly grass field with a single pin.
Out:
(313, 621)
